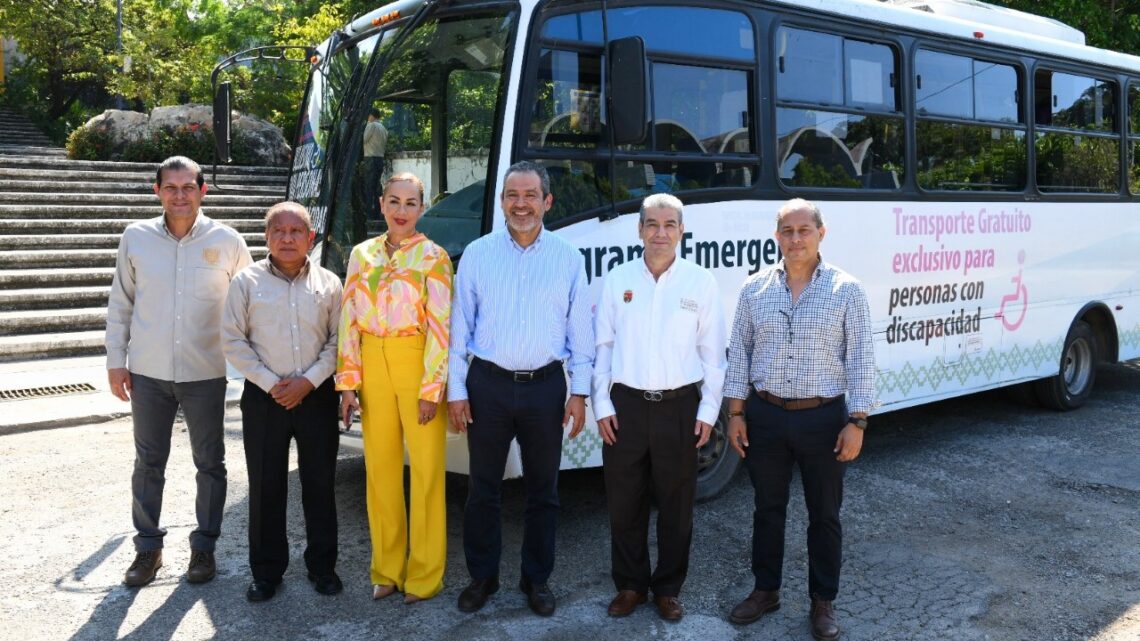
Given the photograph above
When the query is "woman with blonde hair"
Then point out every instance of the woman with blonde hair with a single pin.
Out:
(392, 367)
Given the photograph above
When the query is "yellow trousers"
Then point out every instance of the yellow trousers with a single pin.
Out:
(389, 399)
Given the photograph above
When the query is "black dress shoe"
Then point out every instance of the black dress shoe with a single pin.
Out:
(259, 591)
(328, 584)
(474, 596)
(538, 597)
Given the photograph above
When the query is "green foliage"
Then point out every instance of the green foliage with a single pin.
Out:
(193, 141)
(89, 143)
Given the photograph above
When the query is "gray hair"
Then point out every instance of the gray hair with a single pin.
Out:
(799, 204)
(527, 167)
(660, 201)
(288, 207)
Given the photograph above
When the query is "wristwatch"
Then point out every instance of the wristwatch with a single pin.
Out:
(735, 414)
(860, 423)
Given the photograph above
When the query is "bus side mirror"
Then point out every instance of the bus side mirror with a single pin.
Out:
(222, 123)
(628, 111)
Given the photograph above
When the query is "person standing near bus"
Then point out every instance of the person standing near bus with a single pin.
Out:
(393, 354)
(801, 381)
(164, 351)
(279, 330)
(520, 317)
(375, 147)
(658, 374)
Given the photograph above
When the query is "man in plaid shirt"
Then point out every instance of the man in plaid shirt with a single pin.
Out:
(800, 383)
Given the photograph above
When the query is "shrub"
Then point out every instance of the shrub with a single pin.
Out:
(89, 144)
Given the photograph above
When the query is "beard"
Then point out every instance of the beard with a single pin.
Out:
(525, 226)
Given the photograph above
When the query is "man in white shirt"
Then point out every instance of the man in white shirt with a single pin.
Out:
(375, 146)
(658, 373)
(164, 352)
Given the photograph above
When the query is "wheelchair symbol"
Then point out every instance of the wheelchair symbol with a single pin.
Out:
(1019, 298)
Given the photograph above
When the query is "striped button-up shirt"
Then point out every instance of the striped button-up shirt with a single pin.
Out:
(275, 327)
(521, 308)
(820, 345)
(165, 310)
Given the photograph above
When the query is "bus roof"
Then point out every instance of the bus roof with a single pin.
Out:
(965, 20)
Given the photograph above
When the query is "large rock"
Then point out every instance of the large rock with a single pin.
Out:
(261, 139)
(122, 126)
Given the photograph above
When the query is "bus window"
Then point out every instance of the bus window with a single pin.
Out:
(842, 143)
(696, 109)
(568, 110)
(960, 156)
(1077, 152)
(1134, 134)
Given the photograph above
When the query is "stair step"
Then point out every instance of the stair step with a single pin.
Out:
(56, 277)
(24, 322)
(27, 348)
(42, 258)
(133, 212)
(54, 298)
(112, 175)
(83, 241)
(145, 187)
(211, 199)
(104, 166)
(56, 226)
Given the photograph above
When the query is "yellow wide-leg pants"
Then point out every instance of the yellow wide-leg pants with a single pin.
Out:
(389, 399)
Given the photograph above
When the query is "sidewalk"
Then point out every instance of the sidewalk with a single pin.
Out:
(92, 403)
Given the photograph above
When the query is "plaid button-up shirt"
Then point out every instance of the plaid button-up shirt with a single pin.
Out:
(818, 346)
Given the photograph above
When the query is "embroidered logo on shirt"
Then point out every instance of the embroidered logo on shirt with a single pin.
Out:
(689, 304)
(211, 255)
(627, 296)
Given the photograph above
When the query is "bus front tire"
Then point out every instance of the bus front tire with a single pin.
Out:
(1073, 384)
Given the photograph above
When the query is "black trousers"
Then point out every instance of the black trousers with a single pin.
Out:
(655, 455)
(266, 431)
(778, 440)
(504, 410)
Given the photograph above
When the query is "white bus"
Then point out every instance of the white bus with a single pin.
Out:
(976, 166)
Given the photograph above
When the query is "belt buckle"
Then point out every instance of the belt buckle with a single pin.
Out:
(654, 396)
(523, 377)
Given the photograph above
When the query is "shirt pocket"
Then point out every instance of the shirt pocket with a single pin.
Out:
(211, 283)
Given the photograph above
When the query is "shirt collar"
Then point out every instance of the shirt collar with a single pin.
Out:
(280, 274)
(819, 268)
(407, 242)
(198, 218)
(513, 244)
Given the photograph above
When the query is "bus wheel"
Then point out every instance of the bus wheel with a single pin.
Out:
(717, 462)
(1073, 384)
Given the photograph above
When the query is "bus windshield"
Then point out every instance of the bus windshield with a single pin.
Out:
(434, 92)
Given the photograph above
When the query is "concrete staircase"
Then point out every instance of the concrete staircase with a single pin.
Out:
(60, 223)
(19, 135)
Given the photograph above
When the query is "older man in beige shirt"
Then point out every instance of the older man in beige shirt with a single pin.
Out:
(164, 351)
(280, 331)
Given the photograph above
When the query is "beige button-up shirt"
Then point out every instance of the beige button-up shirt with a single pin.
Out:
(276, 328)
(165, 310)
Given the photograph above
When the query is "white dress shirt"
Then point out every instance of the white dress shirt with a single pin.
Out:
(660, 334)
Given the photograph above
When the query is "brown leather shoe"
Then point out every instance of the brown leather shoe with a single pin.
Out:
(626, 602)
(202, 567)
(823, 626)
(756, 605)
(669, 608)
(143, 569)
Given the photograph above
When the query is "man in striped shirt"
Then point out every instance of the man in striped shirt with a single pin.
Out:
(520, 322)
(800, 383)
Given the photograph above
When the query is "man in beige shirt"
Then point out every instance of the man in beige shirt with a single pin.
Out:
(164, 351)
(280, 331)
(375, 145)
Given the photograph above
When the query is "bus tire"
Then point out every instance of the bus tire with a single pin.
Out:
(1073, 384)
(717, 462)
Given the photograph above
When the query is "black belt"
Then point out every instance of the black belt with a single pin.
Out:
(794, 404)
(657, 395)
(521, 376)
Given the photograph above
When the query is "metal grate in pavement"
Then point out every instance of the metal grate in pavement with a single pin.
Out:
(41, 392)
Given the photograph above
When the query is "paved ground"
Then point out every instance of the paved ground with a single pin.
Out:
(972, 519)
